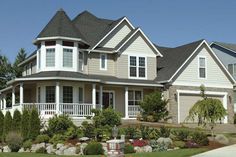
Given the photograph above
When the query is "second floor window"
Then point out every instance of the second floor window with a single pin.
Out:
(232, 69)
(67, 57)
(103, 62)
(137, 67)
(50, 57)
(81, 61)
(202, 67)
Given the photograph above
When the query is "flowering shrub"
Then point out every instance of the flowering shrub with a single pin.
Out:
(140, 143)
(191, 144)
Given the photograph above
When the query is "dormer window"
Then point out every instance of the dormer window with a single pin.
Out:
(202, 67)
(67, 57)
(50, 57)
(137, 67)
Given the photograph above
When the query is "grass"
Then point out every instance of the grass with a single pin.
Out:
(175, 153)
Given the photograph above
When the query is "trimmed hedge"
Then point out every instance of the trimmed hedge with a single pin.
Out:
(16, 122)
(7, 123)
(25, 124)
(34, 128)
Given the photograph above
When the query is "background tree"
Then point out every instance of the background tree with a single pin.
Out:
(21, 56)
(208, 111)
(5, 71)
(25, 124)
(16, 123)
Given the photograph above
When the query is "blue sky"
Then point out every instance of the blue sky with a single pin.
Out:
(167, 22)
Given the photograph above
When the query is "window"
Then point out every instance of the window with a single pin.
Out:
(39, 96)
(81, 61)
(232, 69)
(103, 62)
(134, 97)
(39, 59)
(81, 95)
(67, 94)
(50, 57)
(30, 68)
(67, 57)
(50, 94)
(137, 67)
(26, 69)
(202, 67)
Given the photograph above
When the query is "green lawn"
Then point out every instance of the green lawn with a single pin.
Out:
(175, 153)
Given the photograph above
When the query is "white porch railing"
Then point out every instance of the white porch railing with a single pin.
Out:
(76, 109)
(133, 111)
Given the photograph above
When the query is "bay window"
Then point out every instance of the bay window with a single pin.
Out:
(67, 57)
(50, 57)
(81, 61)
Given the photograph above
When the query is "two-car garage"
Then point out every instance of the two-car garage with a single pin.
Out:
(186, 99)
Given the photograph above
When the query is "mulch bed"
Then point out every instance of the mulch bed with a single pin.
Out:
(214, 145)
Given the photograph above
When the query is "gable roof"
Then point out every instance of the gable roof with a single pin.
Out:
(173, 58)
(60, 26)
(228, 46)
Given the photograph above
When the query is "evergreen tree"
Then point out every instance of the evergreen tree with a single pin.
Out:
(1, 124)
(16, 123)
(21, 56)
(7, 123)
(34, 128)
(25, 124)
(5, 71)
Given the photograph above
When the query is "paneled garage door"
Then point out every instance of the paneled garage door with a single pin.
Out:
(186, 101)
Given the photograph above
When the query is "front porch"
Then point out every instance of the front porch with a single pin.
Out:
(76, 99)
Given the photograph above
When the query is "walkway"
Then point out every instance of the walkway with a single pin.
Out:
(228, 151)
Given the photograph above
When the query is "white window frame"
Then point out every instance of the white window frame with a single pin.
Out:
(202, 67)
(101, 68)
(233, 68)
(72, 60)
(50, 47)
(79, 59)
(137, 67)
(133, 91)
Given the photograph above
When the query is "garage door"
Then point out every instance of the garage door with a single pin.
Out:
(186, 101)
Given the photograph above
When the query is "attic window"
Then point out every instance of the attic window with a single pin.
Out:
(68, 43)
(50, 43)
(202, 67)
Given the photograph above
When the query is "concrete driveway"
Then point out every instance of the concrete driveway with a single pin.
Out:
(228, 151)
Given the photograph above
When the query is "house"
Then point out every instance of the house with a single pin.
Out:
(182, 70)
(85, 63)
(91, 62)
(226, 52)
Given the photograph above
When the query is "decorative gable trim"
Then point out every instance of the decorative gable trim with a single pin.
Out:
(213, 43)
(121, 21)
(214, 55)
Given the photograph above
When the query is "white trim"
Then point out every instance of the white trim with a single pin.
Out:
(205, 78)
(197, 84)
(101, 68)
(137, 67)
(124, 19)
(58, 37)
(132, 84)
(100, 51)
(224, 94)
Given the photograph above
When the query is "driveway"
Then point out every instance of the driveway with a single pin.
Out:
(228, 151)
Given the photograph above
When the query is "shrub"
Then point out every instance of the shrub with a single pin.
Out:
(200, 138)
(181, 134)
(164, 132)
(14, 141)
(27, 144)
(34, 124)
(80, 132)
(42, 138)
(25, 124)
(88, 129)
(179, 144)
(71, 133)
(191, 144)
(59, 124)
(41, 150)
(1, 125)
(16, 123)
(154, 105)
(140, 143)
(7, 123)
(130, 132)
(94, 148)
(57, 138)
(129, 149)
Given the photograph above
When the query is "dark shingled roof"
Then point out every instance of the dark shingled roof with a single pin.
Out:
(173, 58)
(229, 46)
(92, 27)
(60, 25)
(67, 74)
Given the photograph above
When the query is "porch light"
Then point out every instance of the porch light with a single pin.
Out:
(115, 131)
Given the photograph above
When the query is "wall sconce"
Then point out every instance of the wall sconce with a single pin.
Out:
(176, 97)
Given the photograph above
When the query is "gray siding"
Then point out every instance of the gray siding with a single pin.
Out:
(122, 66)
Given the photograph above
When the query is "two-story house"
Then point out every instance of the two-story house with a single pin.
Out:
(91, 62)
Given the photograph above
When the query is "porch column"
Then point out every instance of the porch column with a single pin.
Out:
(13, 97)
(4, 102)
(1, 107)
(94, 96)
(21, 94)
(101, 96)
(57, 98)
(126, 102)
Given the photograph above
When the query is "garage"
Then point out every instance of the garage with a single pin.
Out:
(188, 99)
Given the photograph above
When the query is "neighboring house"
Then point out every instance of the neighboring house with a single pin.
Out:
(226, 52)
(182, 70)
(85, 63)
(90, 62)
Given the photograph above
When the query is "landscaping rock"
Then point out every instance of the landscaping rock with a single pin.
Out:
(138, 149)
(166, 141)
(37, 146)
(63, 148)
(82, 146)
(83, 139)
(78, 144)
(222, 139)
(6, 149)
(70, 151)
(59, 152)
(147, 148)
(50, 149)
(22, 150)
(59, 145)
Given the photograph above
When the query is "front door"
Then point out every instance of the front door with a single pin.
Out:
(108, 100)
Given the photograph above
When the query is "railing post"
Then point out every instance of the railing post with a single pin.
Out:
(126, 102)
(57, 98)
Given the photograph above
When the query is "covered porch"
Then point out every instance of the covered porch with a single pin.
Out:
(74, 98)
